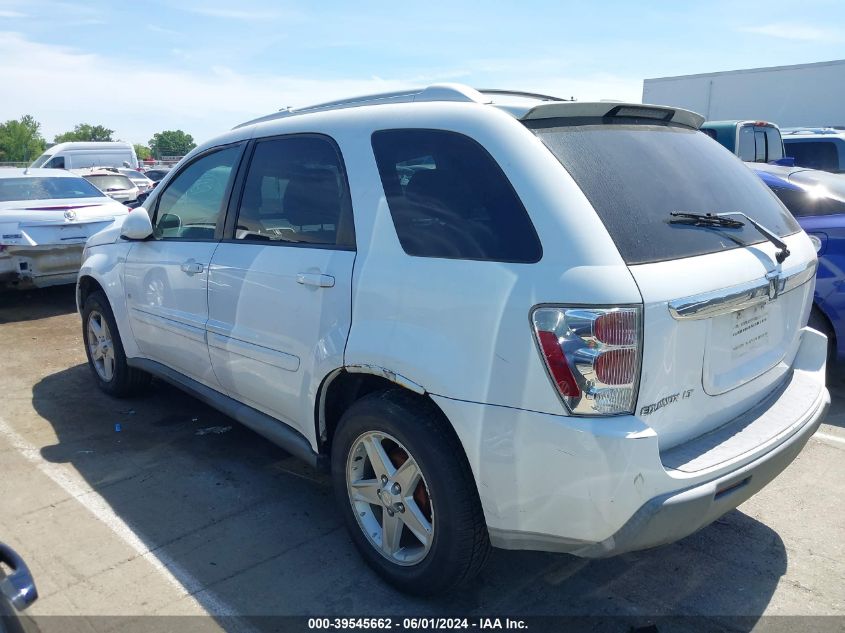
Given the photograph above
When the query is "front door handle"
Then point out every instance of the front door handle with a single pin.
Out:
(315, 279)
(192, 267)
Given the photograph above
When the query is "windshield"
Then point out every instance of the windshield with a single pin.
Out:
(13, 189)
(110, 183)
(41, 160)
(636, 175)
(133, 174)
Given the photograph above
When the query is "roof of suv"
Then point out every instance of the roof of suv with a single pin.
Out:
(521, 105)
(812, 132)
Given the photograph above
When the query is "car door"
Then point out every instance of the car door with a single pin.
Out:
(280, 283)
(166, 277)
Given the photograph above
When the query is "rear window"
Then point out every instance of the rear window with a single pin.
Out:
(636, 175)
(450, 199)
(804, 204)
(13, 189)
(759, 144)
(110, 183)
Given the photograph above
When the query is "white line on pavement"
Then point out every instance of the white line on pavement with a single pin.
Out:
(830, 438)
(72, 483)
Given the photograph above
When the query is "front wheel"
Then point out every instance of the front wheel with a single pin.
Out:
(104, 349)
(407, 494)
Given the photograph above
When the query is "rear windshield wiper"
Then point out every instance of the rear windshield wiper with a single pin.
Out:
(722, 220)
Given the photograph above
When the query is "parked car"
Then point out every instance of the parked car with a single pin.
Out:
(46, 215)
(140, 180)
(761, 143)
(156, 173)
(112, 183)
(79, 155)
(823, 219)
(816, 148)
(17, 592)
(497, 318)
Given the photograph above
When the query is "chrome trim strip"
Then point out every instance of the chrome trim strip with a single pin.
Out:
(709, 304)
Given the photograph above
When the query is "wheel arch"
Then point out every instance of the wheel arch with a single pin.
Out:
(345, 385)
(85, 285)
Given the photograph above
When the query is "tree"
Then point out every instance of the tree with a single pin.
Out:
(21, 141)
(171, 143)
(85, 132)
(142, 151)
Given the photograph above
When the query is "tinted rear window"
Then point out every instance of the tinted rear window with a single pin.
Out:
(12, 189)
(448, 198)
(110, 183)
(804, 204)
(636, 175)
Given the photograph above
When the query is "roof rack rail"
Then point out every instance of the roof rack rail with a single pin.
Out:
(520, 93)
(435, 92)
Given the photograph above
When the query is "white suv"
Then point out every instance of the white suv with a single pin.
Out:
(497, 317)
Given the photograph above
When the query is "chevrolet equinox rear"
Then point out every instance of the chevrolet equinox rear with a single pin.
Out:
(498, 318)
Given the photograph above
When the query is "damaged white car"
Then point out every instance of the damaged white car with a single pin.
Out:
(46, 216)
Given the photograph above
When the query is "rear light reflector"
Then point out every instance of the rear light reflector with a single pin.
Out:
(592, 356)
(556, 362)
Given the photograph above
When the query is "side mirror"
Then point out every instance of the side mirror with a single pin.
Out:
(136, 225)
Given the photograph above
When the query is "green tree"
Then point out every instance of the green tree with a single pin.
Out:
(171, 143)
(142, 151)
(21, 140)
(86, 132)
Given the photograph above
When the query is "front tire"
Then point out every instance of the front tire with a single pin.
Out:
(104, 350)
(407, 494)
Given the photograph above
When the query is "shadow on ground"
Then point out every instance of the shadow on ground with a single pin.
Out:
(36, 303)
(259, 531)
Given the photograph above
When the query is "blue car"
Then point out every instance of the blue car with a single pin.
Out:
(823, 218)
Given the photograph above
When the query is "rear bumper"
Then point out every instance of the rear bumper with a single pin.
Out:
(40, 266)
(601, 487)
(671, 517)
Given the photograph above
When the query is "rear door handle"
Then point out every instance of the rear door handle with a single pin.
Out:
(192, 267)
(315, 279)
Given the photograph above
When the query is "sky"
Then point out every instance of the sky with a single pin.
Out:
(204, 66)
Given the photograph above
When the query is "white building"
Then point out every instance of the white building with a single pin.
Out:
(799, 95)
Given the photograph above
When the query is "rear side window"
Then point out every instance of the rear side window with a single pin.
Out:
(636, 175)
(803, 204)
(449, 199)
(815, 155)
(295, 191)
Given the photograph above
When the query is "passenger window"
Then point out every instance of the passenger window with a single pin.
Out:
(294, 192)
(448, 198)
(57, 162)
(190, 206)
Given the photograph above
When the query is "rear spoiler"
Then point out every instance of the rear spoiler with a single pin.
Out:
(604, 109)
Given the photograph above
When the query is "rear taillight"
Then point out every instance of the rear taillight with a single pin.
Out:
(592, 356)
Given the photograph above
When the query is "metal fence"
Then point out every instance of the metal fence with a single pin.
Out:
(14, 164)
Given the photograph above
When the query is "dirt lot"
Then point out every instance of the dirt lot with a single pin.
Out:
(183, 511)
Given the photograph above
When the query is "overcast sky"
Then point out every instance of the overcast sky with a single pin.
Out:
(203, 66)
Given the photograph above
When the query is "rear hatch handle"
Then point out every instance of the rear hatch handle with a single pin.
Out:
(18, 588)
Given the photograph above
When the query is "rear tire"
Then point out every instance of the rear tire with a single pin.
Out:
(104, 350)
(430, 536)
